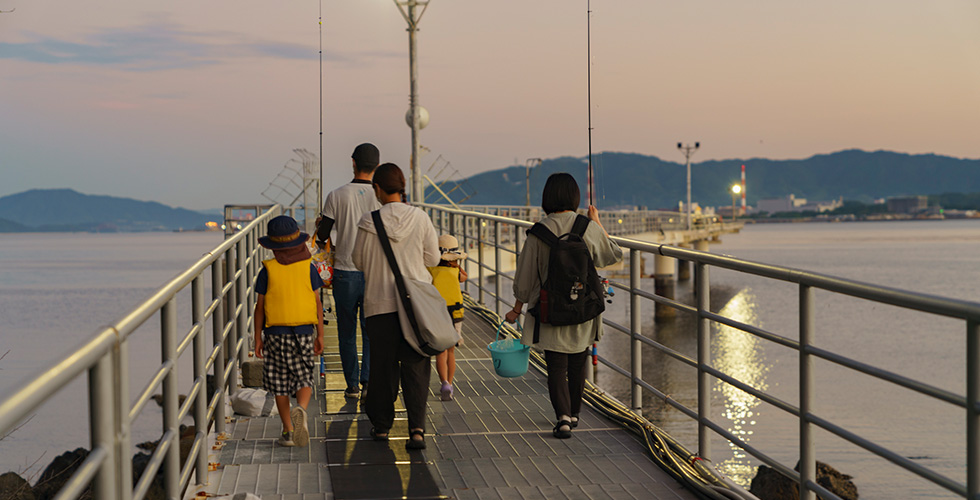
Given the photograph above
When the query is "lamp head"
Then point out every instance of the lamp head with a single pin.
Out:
(736, 188)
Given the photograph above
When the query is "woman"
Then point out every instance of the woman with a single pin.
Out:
(414, 242)
(565, 347)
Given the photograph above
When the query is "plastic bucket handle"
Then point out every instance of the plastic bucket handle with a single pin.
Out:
(501, 324)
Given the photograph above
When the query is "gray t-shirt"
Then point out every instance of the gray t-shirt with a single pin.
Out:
(345, 206)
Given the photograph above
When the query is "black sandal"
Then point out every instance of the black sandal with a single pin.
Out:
(378, 436)
(574, 421)
(560, 434)
(415, 444)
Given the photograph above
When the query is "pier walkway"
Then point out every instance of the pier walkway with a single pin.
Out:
(492, 441)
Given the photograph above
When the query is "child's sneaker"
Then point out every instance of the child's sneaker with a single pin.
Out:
(301, 433)
(286, 439)
(447, 391)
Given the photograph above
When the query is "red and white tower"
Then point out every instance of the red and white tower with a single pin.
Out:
(743, 189)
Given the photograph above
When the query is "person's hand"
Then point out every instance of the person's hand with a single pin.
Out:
(462, 275)
(511, 316)
(318, 345)
(594, 213)
(258, 348)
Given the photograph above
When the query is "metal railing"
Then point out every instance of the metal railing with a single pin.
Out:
(616, 222)
(229, 270)
(483, 234)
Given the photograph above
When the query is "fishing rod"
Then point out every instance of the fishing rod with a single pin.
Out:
(319, 188)
(588, 29)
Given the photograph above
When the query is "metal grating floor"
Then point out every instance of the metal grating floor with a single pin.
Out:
(493, 441)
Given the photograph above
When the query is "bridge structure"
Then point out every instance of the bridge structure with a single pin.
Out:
(493, 437)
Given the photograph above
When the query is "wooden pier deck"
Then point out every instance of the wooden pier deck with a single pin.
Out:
(493, 441)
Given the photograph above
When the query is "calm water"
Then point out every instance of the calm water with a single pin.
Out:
(934, 257)
(56, 289)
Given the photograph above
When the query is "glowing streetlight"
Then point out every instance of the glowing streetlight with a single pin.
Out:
(736, 189)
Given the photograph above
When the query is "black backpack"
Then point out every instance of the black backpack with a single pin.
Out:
(573, 292)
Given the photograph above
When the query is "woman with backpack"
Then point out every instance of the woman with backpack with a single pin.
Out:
(563, 318)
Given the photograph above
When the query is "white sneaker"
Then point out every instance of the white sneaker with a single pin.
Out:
(301, 433)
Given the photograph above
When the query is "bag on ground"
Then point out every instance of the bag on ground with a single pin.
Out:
(253, 403)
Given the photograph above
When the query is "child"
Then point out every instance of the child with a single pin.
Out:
(446, 277)
(289, 310)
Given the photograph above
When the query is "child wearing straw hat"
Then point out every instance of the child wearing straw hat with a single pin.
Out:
(446, 277)
(289, 312)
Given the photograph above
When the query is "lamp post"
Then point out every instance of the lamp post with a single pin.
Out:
(527, 175)
(407, 8)
(688, 151)
(736, 189)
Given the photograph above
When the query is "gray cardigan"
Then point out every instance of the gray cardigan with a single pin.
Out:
(532, 271)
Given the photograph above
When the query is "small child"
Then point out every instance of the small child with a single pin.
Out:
(289, 310)
(446, 277)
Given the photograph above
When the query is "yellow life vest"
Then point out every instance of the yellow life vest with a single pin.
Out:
(289, 297)
(446, 280)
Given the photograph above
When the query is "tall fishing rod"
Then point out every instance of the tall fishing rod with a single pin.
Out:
(588, 29)
(319, 188)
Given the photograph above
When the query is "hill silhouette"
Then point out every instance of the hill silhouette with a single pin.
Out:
(629, 180)
(69, 210)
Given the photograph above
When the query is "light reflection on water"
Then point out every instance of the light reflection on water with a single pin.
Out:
(737, 354)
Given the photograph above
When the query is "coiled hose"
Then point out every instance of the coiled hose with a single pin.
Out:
(686, 467)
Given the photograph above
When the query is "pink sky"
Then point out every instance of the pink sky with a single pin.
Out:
(198, 104)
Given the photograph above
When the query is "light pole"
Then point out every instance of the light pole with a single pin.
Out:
(736, 188)
(407, 8)
(527, 175)
(688, 151)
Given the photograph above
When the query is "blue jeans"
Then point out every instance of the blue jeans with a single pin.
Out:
(348, 297)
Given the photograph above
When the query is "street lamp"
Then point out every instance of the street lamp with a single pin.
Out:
(736, 189)
(527, 175)
(407, 8)
(688, 151)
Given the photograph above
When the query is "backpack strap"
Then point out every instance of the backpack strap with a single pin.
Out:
(543, 233)
(399, 279)
(581, 224)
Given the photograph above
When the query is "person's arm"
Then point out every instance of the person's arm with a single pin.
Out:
(526, 281)
(323, 231)
(318, 341)
(260, 323)
(430, 243)
(515, 312)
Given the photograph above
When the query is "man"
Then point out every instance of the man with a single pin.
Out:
(342, 210)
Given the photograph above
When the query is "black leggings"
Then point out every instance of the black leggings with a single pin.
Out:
(566, 381)
(393, 359)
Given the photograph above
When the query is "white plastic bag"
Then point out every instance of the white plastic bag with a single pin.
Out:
(253, 403)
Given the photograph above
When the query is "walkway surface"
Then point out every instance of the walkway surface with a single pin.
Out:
(493, 441)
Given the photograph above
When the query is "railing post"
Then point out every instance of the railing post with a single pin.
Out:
(636, 325)
(497, 233)
(972, 416)
(242, 290)
(200, 375)
(231, 341)
(217, 327)
(101, 407)
(704, 360)
(808, 465)
(479, 251)
(171, 463)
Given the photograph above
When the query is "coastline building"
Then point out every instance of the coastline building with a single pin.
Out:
(793, 204)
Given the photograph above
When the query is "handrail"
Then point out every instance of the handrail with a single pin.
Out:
(105, 357)
(473, 229)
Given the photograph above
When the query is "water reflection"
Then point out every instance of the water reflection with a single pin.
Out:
(738, 354)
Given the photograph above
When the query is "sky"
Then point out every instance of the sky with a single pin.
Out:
(201, 104)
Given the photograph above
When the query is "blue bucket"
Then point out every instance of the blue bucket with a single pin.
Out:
(509, 360)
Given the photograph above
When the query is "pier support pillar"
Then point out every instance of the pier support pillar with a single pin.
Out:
(683, 266)
(701, 245)
(663, 285)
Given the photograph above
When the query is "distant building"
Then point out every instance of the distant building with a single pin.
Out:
(908, 204)
(793, 204)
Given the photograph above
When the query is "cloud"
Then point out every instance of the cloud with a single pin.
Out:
(156, 47)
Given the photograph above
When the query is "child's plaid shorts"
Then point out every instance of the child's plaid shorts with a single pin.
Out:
(288, 363)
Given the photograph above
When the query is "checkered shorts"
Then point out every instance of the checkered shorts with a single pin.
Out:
(288, 363)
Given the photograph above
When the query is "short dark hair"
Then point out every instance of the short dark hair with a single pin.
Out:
(390, 179)
(366, 157)
(560, 193)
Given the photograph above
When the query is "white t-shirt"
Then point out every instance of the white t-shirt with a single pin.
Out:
(345, 206)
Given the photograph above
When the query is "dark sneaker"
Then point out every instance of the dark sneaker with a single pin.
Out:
(363, 389)
(352, 393)
(286, 439)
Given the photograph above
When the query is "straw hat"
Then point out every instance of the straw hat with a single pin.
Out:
(449, 247)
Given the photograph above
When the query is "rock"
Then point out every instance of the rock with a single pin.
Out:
(14, 487)
(771, 485)
(57, 474)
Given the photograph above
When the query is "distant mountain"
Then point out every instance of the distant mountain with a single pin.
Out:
(69, 210)
(626, 179)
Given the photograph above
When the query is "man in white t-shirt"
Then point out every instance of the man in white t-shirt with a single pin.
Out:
(342, 210)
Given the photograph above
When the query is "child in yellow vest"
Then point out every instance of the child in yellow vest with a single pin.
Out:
(288, 310)
(446, 277)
